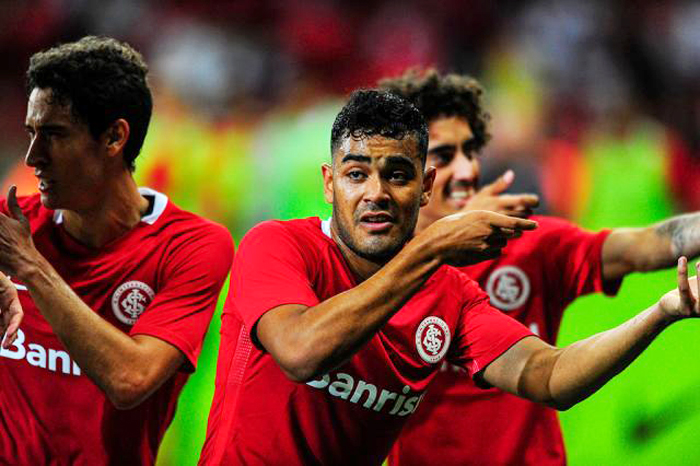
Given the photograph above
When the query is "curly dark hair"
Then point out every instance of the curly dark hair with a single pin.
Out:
(448, 95)
(102, 80)
(371, 112)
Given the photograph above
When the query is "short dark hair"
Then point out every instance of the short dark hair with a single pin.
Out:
(371, 112)
(448, 95)
(103, 80)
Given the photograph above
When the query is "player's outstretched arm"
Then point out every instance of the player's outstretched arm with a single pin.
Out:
(563, 377)
(309, 341)
(492, 197)
(658, 246)
(127, 369)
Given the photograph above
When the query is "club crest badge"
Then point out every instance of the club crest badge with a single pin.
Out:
(432, 339)
(130, 300)
(508, 287)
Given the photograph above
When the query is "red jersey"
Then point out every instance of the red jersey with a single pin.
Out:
(354, 413)
(534, 280)
(162, 279)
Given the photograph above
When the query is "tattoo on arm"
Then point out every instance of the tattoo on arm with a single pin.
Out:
(684, 233)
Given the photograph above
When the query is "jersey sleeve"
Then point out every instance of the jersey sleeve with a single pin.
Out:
(483, 333)
(576, 261)
(186, 299)
(270, 270)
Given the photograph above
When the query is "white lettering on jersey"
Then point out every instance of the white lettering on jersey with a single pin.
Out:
(534, 328)
(345, 388)
(38, 356)
(508, 287)
(432, 339)
(130, 300)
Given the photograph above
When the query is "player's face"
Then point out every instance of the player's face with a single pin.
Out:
(376, 186)
(451, 152)
(63, 153)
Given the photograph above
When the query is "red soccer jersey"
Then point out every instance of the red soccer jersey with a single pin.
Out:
(536, 277)
(354, 413)
(162, 279)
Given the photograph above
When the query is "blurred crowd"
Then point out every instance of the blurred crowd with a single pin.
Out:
(587, 98)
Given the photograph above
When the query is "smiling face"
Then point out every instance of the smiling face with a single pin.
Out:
(65, 157)
(376, 186)
(451, 151)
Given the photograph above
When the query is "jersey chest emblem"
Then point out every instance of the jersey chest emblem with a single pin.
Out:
(432, 339)
(130, 300)
(508, 287)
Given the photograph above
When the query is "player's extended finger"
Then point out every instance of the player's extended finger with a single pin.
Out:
(14, 207)
(501, 184)
(683, 285)
(505, 221)
(519, 201)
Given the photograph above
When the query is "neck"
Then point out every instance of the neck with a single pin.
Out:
(118, 210)
(362, 268)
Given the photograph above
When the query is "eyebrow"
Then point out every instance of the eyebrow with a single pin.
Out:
(442, 147)
(356, 158)
(400, 160)
(470, 143)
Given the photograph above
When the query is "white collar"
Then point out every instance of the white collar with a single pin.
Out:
(160, 202)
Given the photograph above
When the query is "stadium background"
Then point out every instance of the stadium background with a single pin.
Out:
(596, 105)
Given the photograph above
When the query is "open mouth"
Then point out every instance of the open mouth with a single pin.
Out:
(377, 221)
(459, 196)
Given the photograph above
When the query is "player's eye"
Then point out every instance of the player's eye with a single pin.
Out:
(441, 158)
(356, 175)
(399, 176)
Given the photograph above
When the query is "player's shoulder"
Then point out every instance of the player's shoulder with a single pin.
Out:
(549, 229)
(306, 231)
(550, 223)
(168, 220)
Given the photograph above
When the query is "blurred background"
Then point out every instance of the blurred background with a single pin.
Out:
(595, 105)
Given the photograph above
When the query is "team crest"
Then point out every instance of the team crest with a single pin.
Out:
(432, 339)
(130, 300)
(508, 287)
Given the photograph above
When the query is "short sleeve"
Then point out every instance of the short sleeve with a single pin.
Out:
(185, 301)
(483, 333)
(270, 270)
(576, 262)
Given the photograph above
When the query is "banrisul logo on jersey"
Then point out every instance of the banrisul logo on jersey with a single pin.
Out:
(130, 300)
(432, 339)
(508, 287)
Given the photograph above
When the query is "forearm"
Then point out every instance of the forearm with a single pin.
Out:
(579, 370)
(322, 337)
(656, 247)
(109, 357)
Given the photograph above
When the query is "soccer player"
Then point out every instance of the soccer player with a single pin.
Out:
(118, 285)
(534, 280)
(334, 329)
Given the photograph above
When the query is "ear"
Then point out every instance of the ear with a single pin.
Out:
(116, 136)
(428, 180)
(327, 172)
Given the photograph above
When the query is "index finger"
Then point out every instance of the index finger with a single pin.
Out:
(504, 221)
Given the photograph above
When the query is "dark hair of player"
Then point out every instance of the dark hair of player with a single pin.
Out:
(103, 80)
(371, 112)
(448, 95)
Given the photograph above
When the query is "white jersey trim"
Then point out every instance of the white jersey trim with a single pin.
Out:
(326, 227)
(159, 204)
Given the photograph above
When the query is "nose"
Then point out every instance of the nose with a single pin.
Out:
(465, 167)
(36, 153)
(375, 191)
